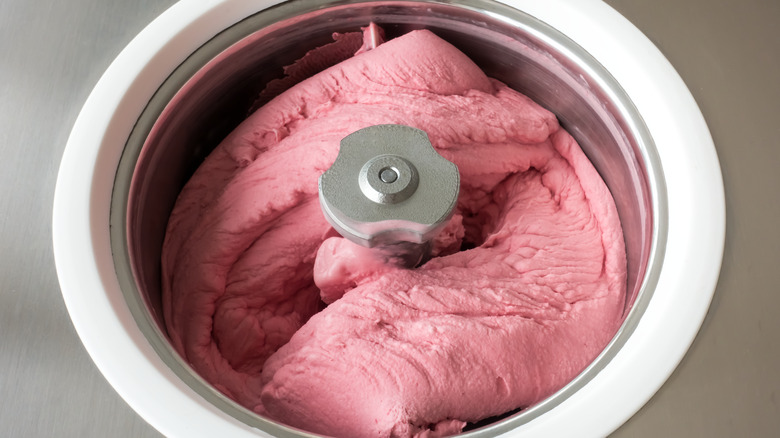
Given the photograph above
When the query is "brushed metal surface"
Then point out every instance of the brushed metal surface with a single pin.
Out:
(727, 51)
(51, 55)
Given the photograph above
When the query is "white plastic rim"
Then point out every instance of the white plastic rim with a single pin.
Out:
(696, 220)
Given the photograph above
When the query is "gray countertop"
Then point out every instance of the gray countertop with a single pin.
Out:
(727, 51)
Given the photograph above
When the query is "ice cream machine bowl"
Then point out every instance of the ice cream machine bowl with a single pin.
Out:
(194, 73)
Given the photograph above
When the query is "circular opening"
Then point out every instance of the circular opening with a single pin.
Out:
(382, 182)
(216, 88)
(388, 175)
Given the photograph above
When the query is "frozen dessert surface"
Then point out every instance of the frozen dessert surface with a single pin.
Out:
(526, 287)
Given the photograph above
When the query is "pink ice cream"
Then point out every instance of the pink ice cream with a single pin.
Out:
(471, 334)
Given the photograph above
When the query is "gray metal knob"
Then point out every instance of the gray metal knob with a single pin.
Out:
(389, 188)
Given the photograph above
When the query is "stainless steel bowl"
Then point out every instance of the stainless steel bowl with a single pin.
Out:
(214, 88)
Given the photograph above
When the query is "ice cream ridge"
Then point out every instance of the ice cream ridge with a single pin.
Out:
(270, 305)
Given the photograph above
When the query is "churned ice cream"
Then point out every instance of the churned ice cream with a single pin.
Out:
(276, 310)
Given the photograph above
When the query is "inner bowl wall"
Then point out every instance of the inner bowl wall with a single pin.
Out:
(209, 94)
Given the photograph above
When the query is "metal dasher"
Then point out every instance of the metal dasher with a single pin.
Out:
(389, 189)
